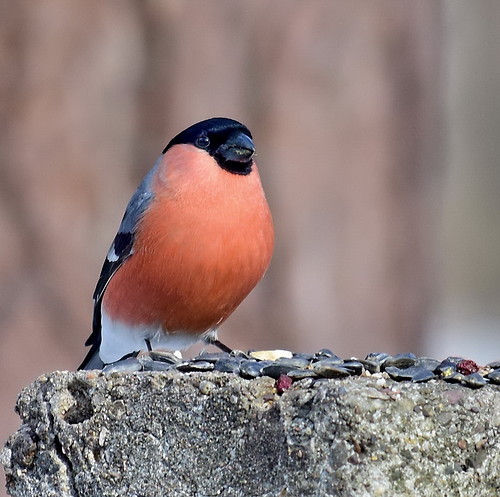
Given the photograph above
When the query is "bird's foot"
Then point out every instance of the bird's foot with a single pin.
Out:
(145, 360)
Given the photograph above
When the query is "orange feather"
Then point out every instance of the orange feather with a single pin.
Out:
(205, 243)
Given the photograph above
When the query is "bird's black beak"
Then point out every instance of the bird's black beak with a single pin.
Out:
(238, 148)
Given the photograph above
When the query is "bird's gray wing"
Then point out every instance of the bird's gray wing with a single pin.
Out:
(121, 249)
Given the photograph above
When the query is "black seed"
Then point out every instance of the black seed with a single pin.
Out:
(211, 356)
(423, 374)
(298, 374)
(157, 366)
(327, 353)
(296, 362)
(453, 377)
(329, 368)
(402, 361)
(356, 367)
(195, 366)
(377, 357)
(228, 365)
(251, 368)
(494, 376)
(494, 365)
(474, 380)
(125, 365)
(415, 374)
(371, 366)
(165, 356)
(428, 363)
(446, 367)
(275, 370)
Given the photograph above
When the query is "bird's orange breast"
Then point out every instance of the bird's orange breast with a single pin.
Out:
(203, 244)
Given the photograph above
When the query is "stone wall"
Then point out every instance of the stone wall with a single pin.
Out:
(89, 434)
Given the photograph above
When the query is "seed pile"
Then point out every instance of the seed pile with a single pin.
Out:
(283, 365)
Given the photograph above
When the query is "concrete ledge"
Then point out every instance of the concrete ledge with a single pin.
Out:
(205, 434)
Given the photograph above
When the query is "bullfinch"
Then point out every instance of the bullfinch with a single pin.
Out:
(196, 237)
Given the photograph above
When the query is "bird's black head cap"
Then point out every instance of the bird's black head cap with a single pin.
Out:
(227, 141)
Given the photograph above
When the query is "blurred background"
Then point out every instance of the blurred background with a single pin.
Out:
(376, 125)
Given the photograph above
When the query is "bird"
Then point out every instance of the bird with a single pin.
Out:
(196, 237)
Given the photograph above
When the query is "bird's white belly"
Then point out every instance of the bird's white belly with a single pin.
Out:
(120, 339)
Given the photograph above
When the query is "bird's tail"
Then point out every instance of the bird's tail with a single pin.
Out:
(92, 359)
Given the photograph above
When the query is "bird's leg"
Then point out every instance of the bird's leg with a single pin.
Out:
(159, 356)
(215, 341)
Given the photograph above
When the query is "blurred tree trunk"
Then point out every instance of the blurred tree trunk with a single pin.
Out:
(346, 100)
(343, 100)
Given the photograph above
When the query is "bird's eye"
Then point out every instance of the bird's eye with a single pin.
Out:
(202, 141)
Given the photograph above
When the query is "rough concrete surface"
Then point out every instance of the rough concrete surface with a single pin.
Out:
(88, 434)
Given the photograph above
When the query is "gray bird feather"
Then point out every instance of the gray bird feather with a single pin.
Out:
(121, 249)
